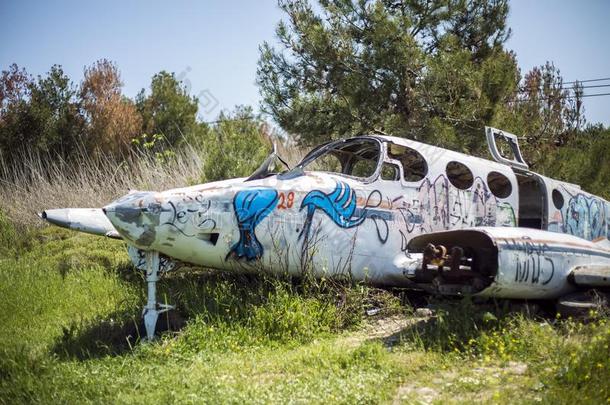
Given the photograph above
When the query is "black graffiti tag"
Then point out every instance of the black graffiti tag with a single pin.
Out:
(532, 264)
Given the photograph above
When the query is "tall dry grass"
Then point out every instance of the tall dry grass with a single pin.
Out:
(36, 181)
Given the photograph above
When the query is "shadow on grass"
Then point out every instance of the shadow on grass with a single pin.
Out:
(458, 325)
(196, 293)
(211, 295)
(113, 336)
(280, 307)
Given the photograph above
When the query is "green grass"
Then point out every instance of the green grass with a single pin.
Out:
(70, 324)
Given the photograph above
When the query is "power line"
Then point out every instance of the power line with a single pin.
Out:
(592, 95)
(588, 80)
(591, 87)
(572, 88)
(559, 97)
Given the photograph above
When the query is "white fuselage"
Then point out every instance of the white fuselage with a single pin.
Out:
(332, 224)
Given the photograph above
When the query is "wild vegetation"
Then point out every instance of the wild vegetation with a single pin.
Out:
(71, 323)
(434, 71)
(71, 334)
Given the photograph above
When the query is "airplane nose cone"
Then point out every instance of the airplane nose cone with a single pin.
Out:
(136, 216)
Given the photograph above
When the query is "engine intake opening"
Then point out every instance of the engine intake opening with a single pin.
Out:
(454, 262)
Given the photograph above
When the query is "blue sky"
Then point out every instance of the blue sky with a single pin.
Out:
(213, 45)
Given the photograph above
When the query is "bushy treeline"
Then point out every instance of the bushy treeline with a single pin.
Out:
(584, 160)
(436, 71)
(53, 116)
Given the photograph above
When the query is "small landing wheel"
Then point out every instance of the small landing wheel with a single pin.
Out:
(582, 304)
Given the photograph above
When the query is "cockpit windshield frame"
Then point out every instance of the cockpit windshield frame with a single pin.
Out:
(339, 144)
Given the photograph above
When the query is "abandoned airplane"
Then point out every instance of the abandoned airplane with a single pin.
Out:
(380, 209)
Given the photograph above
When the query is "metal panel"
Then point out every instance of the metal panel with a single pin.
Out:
(591, 276)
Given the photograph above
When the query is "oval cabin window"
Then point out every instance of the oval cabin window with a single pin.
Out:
(499, 185)
(557, 199)
(459, 175)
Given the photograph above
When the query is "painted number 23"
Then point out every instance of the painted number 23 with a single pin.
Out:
(286, 201)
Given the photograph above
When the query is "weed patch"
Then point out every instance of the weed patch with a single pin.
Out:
(72, 320)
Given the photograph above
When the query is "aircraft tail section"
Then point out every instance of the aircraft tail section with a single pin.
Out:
(88, 220)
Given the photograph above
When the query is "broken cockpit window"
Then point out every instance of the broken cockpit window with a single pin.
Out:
(414, 165)
(390, 172)
(264, 170)
(353, 157)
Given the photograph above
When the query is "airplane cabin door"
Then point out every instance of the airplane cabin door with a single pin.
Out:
(533, 201)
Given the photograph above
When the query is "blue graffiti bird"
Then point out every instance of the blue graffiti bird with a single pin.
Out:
(339, 205)
(251, 207)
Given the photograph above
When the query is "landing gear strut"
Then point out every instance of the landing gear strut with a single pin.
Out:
(152, 309)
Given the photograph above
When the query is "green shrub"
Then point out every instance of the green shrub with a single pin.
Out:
(286, 316)
(236, 146)
(232, 312)
(492, 333)
(583, 161)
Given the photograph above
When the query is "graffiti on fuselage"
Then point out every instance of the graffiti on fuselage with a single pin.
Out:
(532, 262)
(251, 207)
(192, 210)
(583, 216)
(340, 206)
(438, 206)
(586, 217)
(431, 206)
